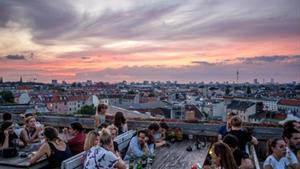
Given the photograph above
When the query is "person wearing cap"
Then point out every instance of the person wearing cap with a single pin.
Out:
(7, 136)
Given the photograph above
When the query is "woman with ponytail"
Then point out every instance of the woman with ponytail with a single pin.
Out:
(276, 151)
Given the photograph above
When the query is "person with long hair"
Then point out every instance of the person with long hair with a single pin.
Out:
(222, 156)
(277, 152)
(91, 140)
(114, 133)
(120, 122)
(100, 114)
(103, 156)
(30, 133)
(54, 148)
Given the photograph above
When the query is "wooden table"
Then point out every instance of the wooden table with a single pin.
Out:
(21, 162)
(177, 157)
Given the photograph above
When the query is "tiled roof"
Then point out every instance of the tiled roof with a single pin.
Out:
(289, 102)
(240, 105)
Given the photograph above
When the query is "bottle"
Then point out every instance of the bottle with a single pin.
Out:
(144, 161)
(197, 166)
(139, 165)
(131, 163)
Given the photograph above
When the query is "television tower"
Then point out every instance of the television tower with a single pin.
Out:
(237, 76)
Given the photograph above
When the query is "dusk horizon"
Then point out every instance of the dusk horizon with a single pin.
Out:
(190, 41)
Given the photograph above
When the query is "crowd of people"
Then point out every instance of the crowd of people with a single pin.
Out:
(229, 151)
(102, 151)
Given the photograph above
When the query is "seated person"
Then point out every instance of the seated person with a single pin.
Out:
(241, 158)
(91, 140)
(8, 117)
(137, 146)
(114, 132)
(120, 122)
(103, 156)
(7, 136)
(31, 132)
(243, 135)
(75, 137)
(277, 151)
(54, 148)
(155, 136)
(163, 128)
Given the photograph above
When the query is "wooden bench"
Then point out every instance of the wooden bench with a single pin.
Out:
(76, 162)
(124, 139)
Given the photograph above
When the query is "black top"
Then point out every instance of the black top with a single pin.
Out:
(57, 156)
(116, 146)
(30, 132)
(12, 138)
(239, 155)
(243, 136)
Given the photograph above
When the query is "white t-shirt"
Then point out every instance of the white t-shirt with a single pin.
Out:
(100, 158)
(290, 157)
(272, 161)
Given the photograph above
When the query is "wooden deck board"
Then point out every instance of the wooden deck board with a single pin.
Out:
(176, 156)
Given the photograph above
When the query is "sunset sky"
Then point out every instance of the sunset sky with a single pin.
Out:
(183, 40)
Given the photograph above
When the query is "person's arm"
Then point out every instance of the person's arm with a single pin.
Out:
(66, 136)
(220, 133)
(21, 143)
(35, 137)
(120, 164)
(268, 167)
(135, 148)
(125, 127)
(24, 136)
(160, 143)
(219, 137)
(294, 166)
(6, 140)
(254, 141)
(43, 150)
(293, 161)
(246, 164)
(145, 149)
(97, 120)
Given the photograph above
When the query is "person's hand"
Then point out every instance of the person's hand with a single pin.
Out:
(21, 143)
(38, 128)
(6, 133)
(65, 130)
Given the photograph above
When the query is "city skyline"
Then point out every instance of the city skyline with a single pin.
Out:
(150, 40)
